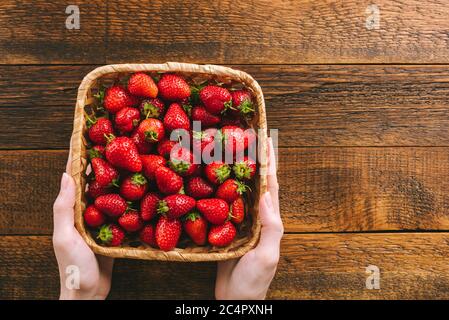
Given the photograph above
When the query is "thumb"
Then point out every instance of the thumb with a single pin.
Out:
(272, 228)
(63, 213)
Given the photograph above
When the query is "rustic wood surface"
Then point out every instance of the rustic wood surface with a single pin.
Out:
(364, 135)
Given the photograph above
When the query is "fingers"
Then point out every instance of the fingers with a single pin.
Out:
(272, 228)
(63, 213)
(68, 167)
(273, 185)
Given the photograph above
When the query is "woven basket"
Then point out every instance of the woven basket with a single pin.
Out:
(240, 245)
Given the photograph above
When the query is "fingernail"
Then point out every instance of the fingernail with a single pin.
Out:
(268, 201)
(64, 181)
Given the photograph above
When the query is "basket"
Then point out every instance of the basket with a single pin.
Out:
(241, 245)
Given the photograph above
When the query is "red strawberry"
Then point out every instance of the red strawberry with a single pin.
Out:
(134, 187)
(181, 161)
(111, 204)
(236, 140)
(196, 227)
(205, 141)
(144, 147)
(95, 189)
(217, 172)
(165, 146)
(175, 205)
(117, 98)
(237, 210)
(99, 129)
(168, 232)
(215, 210)
(230, 190)
(93, 217)
(150, 163)
(241, 103)
(173, 87)
(152, 108)
(215, 99)
(148, 235)
(199, 188)
(127, 119)
(111, 235)
(122, 153)
(96, 152)
(105, 174)
(168, 181)
(176, 118)
(148, 206)
(245, 169)
(222, 236)
(131, 221)
(142, 85)
(207, 119)
(151, 130)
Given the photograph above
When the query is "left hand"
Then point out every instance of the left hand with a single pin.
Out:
(73, 254)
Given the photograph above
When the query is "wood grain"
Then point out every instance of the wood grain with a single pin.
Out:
(35, 32)
(352, 105)
(322, 189)
(325, 266)
(278, 31)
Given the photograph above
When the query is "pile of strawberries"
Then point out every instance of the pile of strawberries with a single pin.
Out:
(149, 188)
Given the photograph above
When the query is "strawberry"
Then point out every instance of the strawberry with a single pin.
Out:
(236, 140)
(244, 169)
(216, 211)
(196, 227)
(127, 119)
(111, 235)
(176, 118)
(95, 190)
(181, 161)
(122, 153)
(215, 99)
(142, 85)
(241, 103)
(205, 141)
(230, 190)
(99, 129)
(131, 221)
(151, 130)
(150, 163)
(168, 181)
(222, 236)
(199, 188)
(199, 113)
(152, 108)
(175, 205)
(148, 206)
(105, 174)
(231, 120)
(134, 187)
(173, 87)
(117, 98)
(168, 232)
(144, 147)
(237, 210)
(96, 152)
(148, 235)
(217, 172)
(111, 204)
(93, 217)
(165, 146)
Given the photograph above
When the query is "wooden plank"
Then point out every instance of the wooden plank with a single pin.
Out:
(322, 189)
(275, 32)
(325, 266)
(353, 105)
(35, 32)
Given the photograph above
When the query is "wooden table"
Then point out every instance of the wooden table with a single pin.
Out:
(364, 134)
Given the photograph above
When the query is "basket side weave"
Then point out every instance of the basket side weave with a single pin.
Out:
(79, 161)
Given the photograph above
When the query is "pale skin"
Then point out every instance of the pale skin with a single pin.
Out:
(246, 278)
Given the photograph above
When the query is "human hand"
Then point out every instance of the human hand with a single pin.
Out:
(249, 277)
(72, 252)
